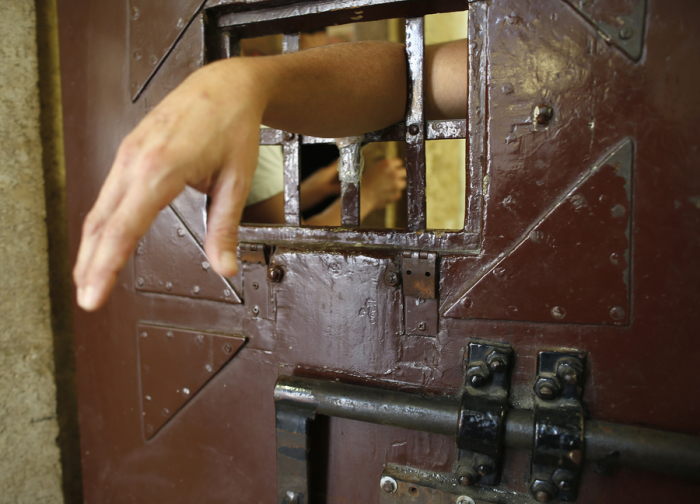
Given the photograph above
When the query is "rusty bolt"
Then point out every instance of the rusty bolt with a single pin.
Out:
(485, 465)
(547, 387)
(626, 33)
(497, 361)
(563, 479)
(543, 114)
(478, 374)
(388, 484)
(414, 129)
(274, 273)
(569, 370)
(543, 491)
(391, 278)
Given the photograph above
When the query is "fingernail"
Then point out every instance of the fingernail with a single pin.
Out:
(229, 261)
(87, 298)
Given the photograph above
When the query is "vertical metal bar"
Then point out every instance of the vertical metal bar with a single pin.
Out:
(415, 125)
(476, 117)
(350, 179)
(292, 205)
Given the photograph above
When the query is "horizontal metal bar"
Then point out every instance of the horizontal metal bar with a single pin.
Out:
(607, 443)
(436, 130)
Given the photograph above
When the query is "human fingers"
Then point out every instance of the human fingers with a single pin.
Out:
(228, 196)
(118, 236)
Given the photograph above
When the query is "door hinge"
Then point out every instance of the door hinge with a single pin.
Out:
(420, 292)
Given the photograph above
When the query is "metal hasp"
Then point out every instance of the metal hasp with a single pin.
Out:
(482, 413)
(256, 273)
(420, 292)
(559, 426)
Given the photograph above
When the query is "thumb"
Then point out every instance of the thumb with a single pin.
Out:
(228, 197)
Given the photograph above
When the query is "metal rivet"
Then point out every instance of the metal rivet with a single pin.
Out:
(388, 484)
(614, 258)
(422, 326)
(186, 391)
(464, 499)
(289, 136)
(500, 271)
(227, 293)
(165, 412)
(391, 278)
(617, 313)
(256, 286)
(618, 211)
(577, 200)
(168, 286)
(180, 232)
(153, 59)
(256, 310)
(140, 282)
(291, 498)
(180, 23)
(206, 266)
(144, 334)
(228, 348)
(169, 335)
(195, 289)
(543, 114)
(558, 312)
(148, 398)
(208, 368)
(414, 129)
(200, 338)
(537, 236)
(135, 13)
(626, 33)
(136, 55)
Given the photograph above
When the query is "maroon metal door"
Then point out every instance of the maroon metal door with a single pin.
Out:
(569, 300)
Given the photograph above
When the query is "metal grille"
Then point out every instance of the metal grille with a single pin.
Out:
(414, 130)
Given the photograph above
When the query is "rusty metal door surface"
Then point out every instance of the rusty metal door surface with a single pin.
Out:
(547, 351)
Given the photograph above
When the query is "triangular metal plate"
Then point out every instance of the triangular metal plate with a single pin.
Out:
(154, 29)
(174, 364)
(169, 260)
(616, 22)
(573, 266)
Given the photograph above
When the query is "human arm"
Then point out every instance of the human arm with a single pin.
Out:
(205, 134)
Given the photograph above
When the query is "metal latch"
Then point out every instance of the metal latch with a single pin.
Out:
(419, 270)
(256, 291)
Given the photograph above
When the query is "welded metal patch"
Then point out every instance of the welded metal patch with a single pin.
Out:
(159, 260)
(571, 266)
(154, 29)
(174, 364)
(620, 22)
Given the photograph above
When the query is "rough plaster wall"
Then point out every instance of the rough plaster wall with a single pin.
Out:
(445, 159)
(29, 458)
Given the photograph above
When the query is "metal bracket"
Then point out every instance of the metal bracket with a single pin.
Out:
(419, 271)
(482, 413)
(256, 291)
(559, 426)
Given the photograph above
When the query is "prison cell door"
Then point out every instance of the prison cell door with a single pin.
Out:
(544, 352)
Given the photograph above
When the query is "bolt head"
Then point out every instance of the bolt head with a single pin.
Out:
(547, 388)
(543, 114)
(478, 374)
(391, 279)
(543, 490)
(497, 361)
(414, 129)
(563, 479)
(275, 274)
(289, 136)
(256, 286)
(626, 33)
(569, 370)
(388, 484)
(466, 475)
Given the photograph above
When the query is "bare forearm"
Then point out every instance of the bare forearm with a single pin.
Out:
(334, 91)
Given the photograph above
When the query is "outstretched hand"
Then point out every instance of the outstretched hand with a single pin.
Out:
(197, 136)
(382, 183)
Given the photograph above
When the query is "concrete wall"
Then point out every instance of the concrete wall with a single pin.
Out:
(30, 469)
